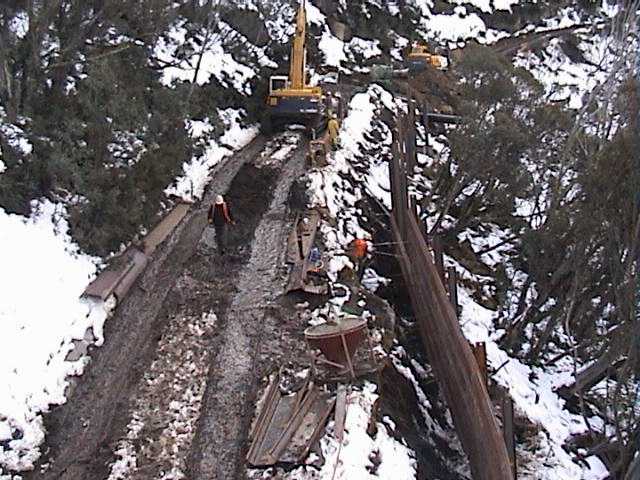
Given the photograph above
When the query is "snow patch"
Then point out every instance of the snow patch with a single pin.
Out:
(214, 62)
(532, 390)
(332, 48)
(366, 48)
(355, 458)
(19, 24)
(314, 15)
(191, 185)
(41, 314)
(14, 136)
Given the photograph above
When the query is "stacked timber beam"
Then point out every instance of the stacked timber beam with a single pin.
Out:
(125, 269)
(448, 350)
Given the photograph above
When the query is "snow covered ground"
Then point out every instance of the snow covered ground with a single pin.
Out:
(340, 186)
(191, 185)
(329, 187)
(43, 275)
(532, 390)
(197, 57)
(176, 380)
(361, 455)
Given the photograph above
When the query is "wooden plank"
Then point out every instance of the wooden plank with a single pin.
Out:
(293, 254)
(138, 262)
(301, 266)
(296, 281)
(103, 285)
(119, 277)
(341, 412)
(311, 423)
(508, 430)
(107, 281)
(480, 354)
(261, 423)
(268, 445)
(167, 225)
(438, 253)
(294, 420)
(452, 359)
(448, 351)
(309, 234)
(452, 281)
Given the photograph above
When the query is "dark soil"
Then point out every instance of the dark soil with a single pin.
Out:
(208, 285)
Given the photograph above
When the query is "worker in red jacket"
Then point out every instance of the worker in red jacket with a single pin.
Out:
(220, 217)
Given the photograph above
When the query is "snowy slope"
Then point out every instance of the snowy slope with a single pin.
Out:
(43, 275)
(191, 185)
(533, 390)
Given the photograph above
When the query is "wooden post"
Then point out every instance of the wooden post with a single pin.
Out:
(508, 430)
(480, 353)
(452, 359)
(438, 254)
(452, 279)
(449, 353)
(411, 157)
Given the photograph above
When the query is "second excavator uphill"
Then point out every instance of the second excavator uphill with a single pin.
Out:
(419, 58)
(291, 99)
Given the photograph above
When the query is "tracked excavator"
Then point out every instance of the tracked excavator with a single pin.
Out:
(291, 99)
(419, 58)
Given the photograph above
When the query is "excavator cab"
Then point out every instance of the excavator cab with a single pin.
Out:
(278, 82)
(291, 99)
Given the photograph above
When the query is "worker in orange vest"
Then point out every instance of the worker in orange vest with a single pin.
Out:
(219, 217)
(358, 252)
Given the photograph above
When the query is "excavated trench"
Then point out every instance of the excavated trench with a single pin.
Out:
(227, 407)
(416, 407)
(169, 399)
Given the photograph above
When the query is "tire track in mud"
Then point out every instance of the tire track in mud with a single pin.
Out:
(81, 432)
(217, 451)
(168, 401)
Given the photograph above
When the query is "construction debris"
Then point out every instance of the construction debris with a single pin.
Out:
(123, 271)
(306, 269)
(341, 412)
(288, 424)
(336, 344)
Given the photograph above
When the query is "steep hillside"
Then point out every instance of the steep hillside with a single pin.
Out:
(112, 111)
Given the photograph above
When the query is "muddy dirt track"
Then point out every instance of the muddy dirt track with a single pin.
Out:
(169, 388)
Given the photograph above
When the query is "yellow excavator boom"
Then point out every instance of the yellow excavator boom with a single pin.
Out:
(298, 51)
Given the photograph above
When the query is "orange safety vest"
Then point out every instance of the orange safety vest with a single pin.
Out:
(359, 248)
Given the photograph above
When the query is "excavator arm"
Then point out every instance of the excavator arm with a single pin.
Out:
(297, 67)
